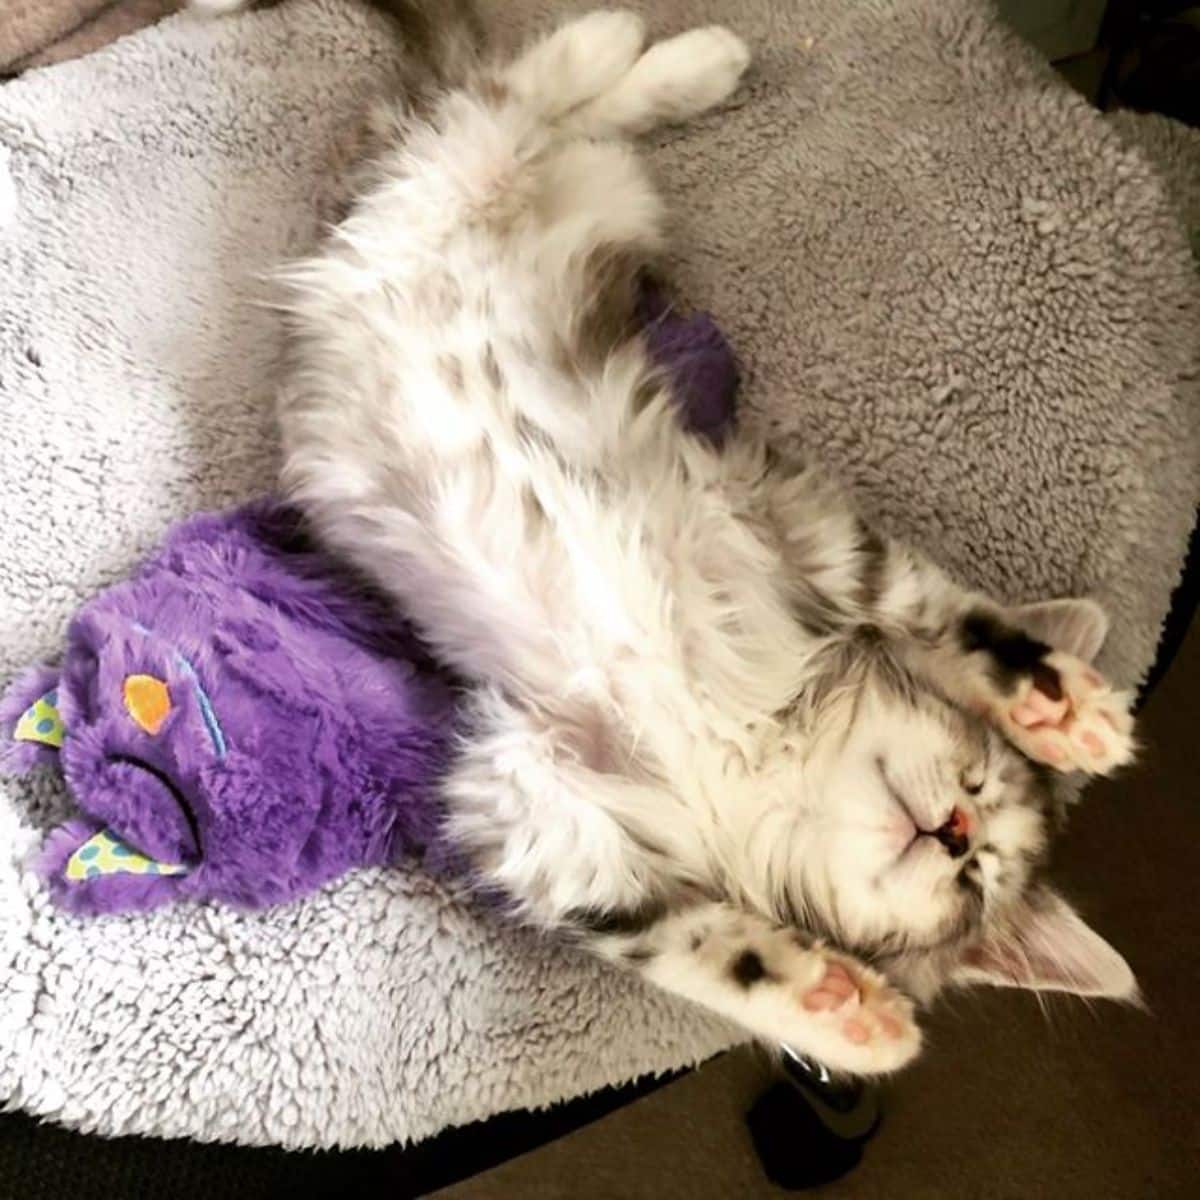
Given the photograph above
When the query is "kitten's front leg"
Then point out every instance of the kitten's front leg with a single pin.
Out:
(775, 982)
(1050, 703)
(1025, 668)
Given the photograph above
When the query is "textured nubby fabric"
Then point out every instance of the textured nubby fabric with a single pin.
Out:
(943, 275)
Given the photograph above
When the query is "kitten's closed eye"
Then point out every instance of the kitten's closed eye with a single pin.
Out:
(970, 877)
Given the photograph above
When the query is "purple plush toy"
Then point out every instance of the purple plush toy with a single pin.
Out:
(235, 723)
(242, 721)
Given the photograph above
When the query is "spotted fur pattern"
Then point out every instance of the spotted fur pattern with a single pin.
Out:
(723, 732)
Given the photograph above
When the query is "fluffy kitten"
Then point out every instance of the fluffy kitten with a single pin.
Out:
(720, 726)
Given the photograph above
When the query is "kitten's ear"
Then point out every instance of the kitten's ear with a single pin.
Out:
(1076, 626)
(1045, 946)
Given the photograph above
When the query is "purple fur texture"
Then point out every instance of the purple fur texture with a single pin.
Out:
(306, 726)
(693, 350)
(305, 732)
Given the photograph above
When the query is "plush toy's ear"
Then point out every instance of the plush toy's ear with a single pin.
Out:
(31, 729)
(41, 723)
(89, 870)
(1045, 946)
(1078, 626)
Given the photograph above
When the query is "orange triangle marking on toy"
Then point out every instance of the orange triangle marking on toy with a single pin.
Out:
(147, 701)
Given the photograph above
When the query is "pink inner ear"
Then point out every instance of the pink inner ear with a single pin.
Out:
(1019, 965)
(1074, 626)
(1047, 947)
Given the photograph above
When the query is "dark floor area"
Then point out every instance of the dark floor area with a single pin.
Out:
(1077, 1102)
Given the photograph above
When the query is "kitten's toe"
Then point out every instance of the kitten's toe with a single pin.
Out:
(694, 71)
(579, 61)
(836, 987)
(1069, 717)
(867, 1027)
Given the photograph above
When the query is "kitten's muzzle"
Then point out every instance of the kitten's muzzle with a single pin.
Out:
(954, 833)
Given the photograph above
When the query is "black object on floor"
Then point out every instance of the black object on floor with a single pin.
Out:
(810, 1129)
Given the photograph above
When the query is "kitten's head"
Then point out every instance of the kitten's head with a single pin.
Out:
(926, 835)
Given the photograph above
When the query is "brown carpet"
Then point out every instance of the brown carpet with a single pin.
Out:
(1009, 1103)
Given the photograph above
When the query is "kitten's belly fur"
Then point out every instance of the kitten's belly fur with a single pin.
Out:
(605, 573)
(496, 487)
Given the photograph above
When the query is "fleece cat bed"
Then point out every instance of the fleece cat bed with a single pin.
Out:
(943, 273)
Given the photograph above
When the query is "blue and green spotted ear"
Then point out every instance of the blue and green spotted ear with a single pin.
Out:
(105, 854)
(41, 722)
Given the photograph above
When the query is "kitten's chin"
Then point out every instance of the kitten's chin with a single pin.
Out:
(922, 975)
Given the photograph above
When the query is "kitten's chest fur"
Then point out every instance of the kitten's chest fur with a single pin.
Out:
(645, 592)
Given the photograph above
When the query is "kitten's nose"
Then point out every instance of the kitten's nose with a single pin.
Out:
(955, 833)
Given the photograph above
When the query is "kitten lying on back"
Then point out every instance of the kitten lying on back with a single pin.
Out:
(720, 726)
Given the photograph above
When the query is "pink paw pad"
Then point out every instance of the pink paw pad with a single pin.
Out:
(868, 1011)
(1040, 709)
(890, 1025)
(856, 1031)
(834, 990)
(1050, 751)
(1070, 718)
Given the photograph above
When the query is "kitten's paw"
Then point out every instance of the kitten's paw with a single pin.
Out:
(579, 60)
(1068, 716)
(859, 1023)
(694, 71)
(603, 45)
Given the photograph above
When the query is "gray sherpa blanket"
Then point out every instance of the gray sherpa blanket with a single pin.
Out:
(945, 275)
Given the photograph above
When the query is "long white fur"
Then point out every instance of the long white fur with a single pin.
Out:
(645, 737)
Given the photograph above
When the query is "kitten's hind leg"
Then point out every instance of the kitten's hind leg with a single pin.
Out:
(675, 80)
(774, 982)
(578, 61)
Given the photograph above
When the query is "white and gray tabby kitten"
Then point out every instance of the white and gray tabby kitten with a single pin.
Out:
(719, 726)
